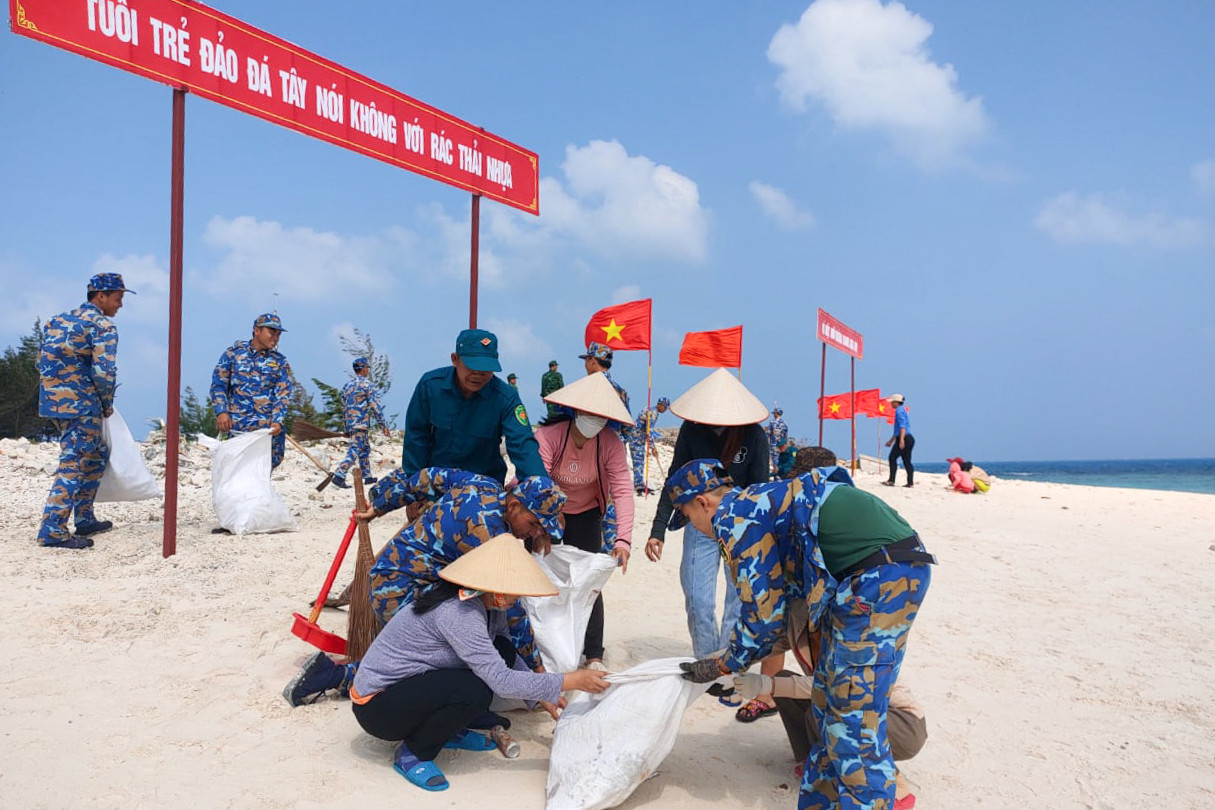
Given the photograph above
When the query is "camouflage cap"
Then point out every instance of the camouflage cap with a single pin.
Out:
(360, 363)
(664, 402)
(698, 476)
(478, 349)
(269, 320)
(777, 411)
(599, 351)
(108, 282)
(552, 363)
(543, 498)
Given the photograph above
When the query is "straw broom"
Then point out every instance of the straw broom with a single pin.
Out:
(362, 625)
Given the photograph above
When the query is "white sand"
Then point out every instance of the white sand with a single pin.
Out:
(1063, 656)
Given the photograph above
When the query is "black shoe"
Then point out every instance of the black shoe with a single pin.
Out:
(887, 483)
(340, 483)
(371, 479)
(319, 674)
(93, 527)
(71, 542)
(908, 485)
(220, 530)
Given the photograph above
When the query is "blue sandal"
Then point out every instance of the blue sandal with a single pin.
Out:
(468, 740)
(425, 775)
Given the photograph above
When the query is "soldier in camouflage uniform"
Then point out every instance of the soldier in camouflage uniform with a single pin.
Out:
(778, 434)
(77, 376)
(550, 382)
(467, 510)
(637, 442)
(817, 538)
(360, 402)
(251, 385)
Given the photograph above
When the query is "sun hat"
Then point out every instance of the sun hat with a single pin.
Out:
(720, 399)
(897, 399)
(592, 394)
(478, 349)
(108, 282)
(500, 565)
(694, 478)
(269, 320)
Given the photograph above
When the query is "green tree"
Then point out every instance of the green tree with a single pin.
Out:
(196, 416)
(19, 390)
(380, 373)
(333, 416)
(300, 405)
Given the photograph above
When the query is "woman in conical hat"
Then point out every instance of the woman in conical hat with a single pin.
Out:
(588, 462)
(431, 673)
(722, 421)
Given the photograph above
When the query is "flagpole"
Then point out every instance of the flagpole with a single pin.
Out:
(649, 393)
(852, 363)
(822, 392)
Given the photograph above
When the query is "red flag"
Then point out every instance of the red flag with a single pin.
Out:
(885, 410)
(621, 328)
(719, 348)
(836, 407)
(867, 402)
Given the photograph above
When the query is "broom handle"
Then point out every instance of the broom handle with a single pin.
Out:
(333, 569)
(300, 447)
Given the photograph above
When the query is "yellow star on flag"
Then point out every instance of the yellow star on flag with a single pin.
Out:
(612, 330)
(835, 407)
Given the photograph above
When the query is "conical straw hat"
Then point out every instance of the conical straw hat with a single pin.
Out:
(500, 565)
(592, 394)
(720, 399)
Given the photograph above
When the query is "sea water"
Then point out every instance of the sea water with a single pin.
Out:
(1177, 474)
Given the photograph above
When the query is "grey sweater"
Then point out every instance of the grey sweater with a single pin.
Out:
(452, 635)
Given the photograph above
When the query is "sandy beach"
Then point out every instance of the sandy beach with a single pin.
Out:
(1063, 656)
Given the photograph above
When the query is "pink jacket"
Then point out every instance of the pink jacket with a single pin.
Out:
(579, 472)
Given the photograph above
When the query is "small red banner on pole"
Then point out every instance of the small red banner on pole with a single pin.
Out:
(834, 333)
(188, 45)
(720, 348)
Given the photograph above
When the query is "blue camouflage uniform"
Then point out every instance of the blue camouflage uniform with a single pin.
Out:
(467, 510)
(360, 404)
(77, 368)
(768, 533)
(637, 440)
(253, 387)
(778, 434)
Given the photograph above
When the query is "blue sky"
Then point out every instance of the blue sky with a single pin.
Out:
(1014, 203)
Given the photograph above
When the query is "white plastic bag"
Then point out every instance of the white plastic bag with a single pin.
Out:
(606, 745)
(244, 500)
(559, 622)
(126, 477)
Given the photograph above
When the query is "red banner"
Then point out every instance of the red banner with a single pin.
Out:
(836, 407)
(622, 327)
(720, 348)
(834, 333)
(188, 45)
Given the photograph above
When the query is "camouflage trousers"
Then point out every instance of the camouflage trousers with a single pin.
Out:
(359, 452)
(82, 460)
(637, 451)
(851, 766)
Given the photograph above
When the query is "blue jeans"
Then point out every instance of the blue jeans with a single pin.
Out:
(698, 577)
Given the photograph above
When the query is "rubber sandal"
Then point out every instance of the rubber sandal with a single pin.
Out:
(425, 775)
(470, 741)
(730, 699)
(754, 710)
(905, 803)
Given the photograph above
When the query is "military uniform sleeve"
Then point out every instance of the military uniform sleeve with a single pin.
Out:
(282, 393)
(521, 443)
(400, 488)
(221, 379)
(755, 565)
(375, 408)
(105, 364)
(415, 452)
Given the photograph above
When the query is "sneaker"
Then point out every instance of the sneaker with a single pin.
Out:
(340, 483)
(319, 674)
(90, 527)
(71, 542)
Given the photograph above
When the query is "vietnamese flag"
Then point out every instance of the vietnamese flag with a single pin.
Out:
(885, 410)
(622, 328)
(867, 402)
(720, 348)
(836, 407)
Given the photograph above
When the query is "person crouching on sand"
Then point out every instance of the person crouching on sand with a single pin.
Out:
(429, 677)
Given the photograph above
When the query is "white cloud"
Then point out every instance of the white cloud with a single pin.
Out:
(1203, 175)
(1102, 219)
(150, 304)
(260, 258)
(629, 292)
(516, 341)
(624, 205)
(868, 65)
(779, 207)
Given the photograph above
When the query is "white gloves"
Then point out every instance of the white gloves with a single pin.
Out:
(751, 685)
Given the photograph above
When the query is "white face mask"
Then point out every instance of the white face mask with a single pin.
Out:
(589, 425)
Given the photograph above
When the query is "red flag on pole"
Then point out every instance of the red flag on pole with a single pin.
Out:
(622, 328)
(836, 407)
(885, 411)
(721, 348)
(867, 402)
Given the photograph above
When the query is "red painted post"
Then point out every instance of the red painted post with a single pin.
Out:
(822, 392)
(853, 363)
(172, 426)
(475, 250)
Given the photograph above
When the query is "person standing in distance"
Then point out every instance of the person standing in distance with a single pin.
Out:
(550, 382)
(902, 442)
(77, 375)
(251, 385)
(360, 403)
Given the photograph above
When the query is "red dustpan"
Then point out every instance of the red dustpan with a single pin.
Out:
(307, 628)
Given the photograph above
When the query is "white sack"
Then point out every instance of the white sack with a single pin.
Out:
(126, 477)
(244, 500)
(559, 622)
(606, 745)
